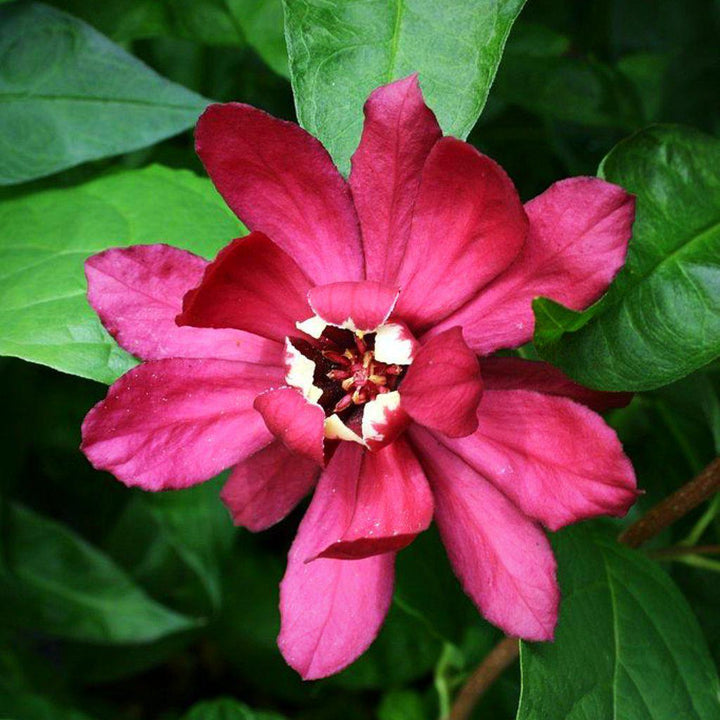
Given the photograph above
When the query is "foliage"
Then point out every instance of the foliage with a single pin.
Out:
(118, 604)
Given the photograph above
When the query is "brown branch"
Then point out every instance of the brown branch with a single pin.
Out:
(497, 660)
(672, 508)
(664, 514)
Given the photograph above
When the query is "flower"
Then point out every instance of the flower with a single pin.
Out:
(346, 345)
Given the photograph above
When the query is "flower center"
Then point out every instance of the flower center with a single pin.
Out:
(346, 372)
(361, 375)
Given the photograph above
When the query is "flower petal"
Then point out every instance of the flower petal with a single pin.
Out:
(372, 503)
(353, 305)
(294, 420)
(265, 487)
(503, 559)
(138, 291)
(398, 134)
(251, 285)
(556, 460)
(331, 609)
(280, 180)
(443, 387)
(383, 420)
(579, 232)
(174, 423)
(394, 343)
(514, 373)
(468, 226)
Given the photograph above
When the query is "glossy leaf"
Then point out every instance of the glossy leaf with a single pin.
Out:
(59, 584)
(661, 318)
(46, 237)
(340, 50)
(68, 95)
(627, 645)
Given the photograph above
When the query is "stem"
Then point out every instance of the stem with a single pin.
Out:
(701, 525)
(672, 508)
(664, 514)
(497, 660)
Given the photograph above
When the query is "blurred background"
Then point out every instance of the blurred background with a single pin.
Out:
(121, 605)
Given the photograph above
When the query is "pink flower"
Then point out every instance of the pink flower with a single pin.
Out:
(343, 345)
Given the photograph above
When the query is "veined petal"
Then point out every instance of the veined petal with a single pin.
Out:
(578, 238)
(372, 503)
(514, 373)
(137, 292)
(251, 285)
(353, 305)
(443, 387)
(265, 487)
(398, 134)
(331, 609)
(280, 180)
(294, 420)
(502, 558)
(468, 226)
(174, 423)
(558, 461)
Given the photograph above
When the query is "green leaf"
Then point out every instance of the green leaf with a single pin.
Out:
(403, 651)
(262, 23)
(174, 545)
(59, 584)
(661, 318)
(626, 646)
(402, 705)
(539, 73)
(68, 95)
(205, 21)
(226, 709)
(340, 50)
(46, 237)
(427, 589)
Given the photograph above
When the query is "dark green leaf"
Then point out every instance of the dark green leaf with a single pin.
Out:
(68, 95)
(661, 318)
(174, 545)
(206, 21)
(340, 50)
(262, 23)
(226, 709)
(539, 74)
(59, 584)
(45, 239)
(427, 589)
(402, 705)
(403, 651)
(626, 646)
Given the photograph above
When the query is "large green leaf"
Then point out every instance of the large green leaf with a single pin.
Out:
(340, 50)
(67, 95)
(59, 584)
(661, 318)
(626, 646)
(46, 237)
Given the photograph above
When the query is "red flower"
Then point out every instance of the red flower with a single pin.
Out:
(338, 343)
